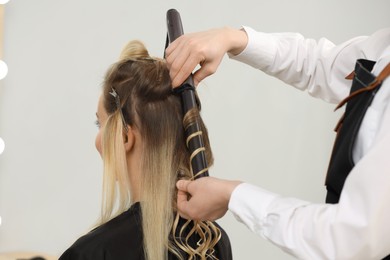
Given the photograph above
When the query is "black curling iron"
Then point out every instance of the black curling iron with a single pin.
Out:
(193, 133)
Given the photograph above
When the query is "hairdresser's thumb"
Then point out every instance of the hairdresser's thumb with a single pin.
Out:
(183, 185)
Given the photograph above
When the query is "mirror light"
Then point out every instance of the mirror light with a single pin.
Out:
(3, 69)
(2, 2)
(2, 145)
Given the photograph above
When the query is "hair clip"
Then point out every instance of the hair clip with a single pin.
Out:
(116, 96)
(118, 107)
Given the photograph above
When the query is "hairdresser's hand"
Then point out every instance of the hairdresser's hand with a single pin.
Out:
(206, 198)
(204, 48)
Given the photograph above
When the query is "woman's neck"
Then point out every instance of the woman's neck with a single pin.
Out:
(134, 160)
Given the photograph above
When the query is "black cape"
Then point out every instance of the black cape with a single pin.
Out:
(121, 239)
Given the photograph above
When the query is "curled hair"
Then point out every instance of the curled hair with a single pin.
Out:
(148, 105)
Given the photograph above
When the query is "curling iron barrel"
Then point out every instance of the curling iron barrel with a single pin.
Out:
(193, 132)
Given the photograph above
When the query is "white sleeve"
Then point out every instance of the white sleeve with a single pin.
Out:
(355, 228)
(358, 226)
(320, 67)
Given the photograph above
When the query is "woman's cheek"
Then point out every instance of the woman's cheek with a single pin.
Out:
(98, 142)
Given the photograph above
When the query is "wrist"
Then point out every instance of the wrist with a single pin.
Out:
(230, 187)
(237, 39)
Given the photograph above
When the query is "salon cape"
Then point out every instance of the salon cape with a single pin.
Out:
(358, 227)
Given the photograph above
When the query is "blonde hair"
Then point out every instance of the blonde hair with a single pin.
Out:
(147, 104)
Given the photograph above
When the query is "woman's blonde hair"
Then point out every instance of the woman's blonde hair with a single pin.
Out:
(147, 103)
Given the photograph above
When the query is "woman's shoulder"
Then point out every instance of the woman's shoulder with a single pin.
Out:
(119, 238)
(122, 238)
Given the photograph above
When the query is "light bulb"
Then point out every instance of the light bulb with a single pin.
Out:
(3, 69)
(2, 145)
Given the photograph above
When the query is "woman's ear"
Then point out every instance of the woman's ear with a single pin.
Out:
(129, 139)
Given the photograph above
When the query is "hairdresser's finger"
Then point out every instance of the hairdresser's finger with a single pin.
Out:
(176, 59)
(176, 56)
(187, 55)
(182, 203)
(187, 68)
(205, 71)
(173, 45)
(182, 67)
(182, 185)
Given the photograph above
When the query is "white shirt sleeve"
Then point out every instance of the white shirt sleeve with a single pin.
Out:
(320, 67)
(355, 228)
(358, 226)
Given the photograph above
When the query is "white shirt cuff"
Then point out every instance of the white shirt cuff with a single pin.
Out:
(249, 204)
(260, 50)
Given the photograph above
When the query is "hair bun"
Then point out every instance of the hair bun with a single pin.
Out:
(134, 50)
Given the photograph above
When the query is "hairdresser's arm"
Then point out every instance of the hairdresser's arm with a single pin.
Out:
(316, 66)
(319, 67)
(356, 228)
(205, 49)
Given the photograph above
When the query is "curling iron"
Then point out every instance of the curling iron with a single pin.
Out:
(193, 133)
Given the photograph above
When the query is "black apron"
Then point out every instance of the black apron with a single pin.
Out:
(341, 162)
